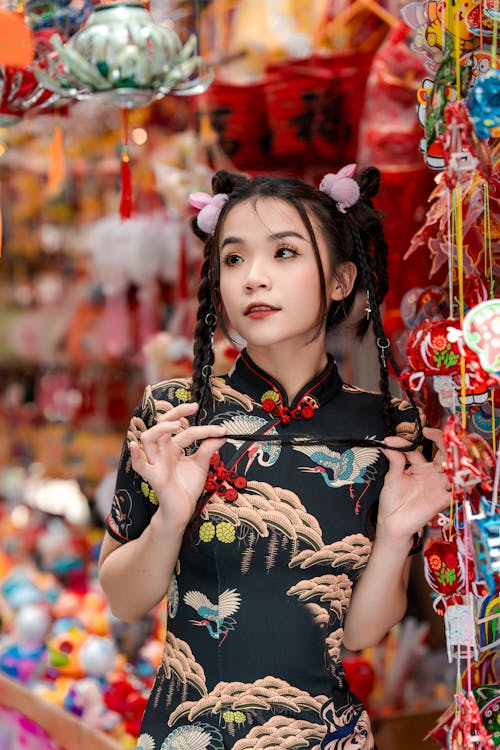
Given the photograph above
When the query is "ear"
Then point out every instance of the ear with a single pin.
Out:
(343, 280)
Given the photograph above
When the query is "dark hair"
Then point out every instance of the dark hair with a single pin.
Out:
(356, 236)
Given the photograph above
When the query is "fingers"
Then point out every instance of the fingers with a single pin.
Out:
(183, 410)
(436, 435)
(206, 451)
(138, 457)
(169, 433)
(397, 459)
(432, 433)
(203, 432)
(153, 440)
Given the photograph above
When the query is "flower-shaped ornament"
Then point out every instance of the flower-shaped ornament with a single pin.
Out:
(125, 58)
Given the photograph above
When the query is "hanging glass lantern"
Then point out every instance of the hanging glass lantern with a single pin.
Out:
(126, 59)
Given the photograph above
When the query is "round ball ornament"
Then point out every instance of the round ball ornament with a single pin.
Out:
(126, 59)
(483, 102)
(481, 327)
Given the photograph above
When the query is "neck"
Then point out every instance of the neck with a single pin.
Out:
(291, 366)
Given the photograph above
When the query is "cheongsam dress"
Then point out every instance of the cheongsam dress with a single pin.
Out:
(263, 581)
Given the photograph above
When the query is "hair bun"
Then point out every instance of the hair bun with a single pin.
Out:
(225, 182)
(368, 180)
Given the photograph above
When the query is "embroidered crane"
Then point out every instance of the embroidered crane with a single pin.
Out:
(266, 453)
(216, 618)
(353, 466)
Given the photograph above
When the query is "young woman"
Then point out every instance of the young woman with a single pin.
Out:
(264, 503)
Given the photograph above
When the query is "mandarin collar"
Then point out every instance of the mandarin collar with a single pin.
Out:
(248, 377)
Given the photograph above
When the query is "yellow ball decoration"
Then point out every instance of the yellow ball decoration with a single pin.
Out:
(225, 532)
(273, 395)
(207, 531)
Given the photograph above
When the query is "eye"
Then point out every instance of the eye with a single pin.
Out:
(285, 252)
(484, 65)
(231, 259)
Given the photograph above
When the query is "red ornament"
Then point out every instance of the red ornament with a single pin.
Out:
(436, 347)
(467, 729)
(470, 462)
(268, 405)
(222, 481)
(444, 572)
(307, 411)
(462, 149)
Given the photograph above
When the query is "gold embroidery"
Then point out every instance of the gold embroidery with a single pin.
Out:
(350, 552)
(279, 732)
(265, 694)
(336, 590)
(178, 659)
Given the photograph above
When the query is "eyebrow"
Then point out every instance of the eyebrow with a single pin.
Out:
(273, 236)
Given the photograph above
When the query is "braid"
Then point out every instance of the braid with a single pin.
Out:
(206, 320)
(366, 267)
(203, 358)
(377, 285)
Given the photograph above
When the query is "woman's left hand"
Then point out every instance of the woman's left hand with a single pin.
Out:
(414, 490)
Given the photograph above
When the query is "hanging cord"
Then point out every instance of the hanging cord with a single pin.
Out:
(494, 41)
(341, 442)
(488, 273)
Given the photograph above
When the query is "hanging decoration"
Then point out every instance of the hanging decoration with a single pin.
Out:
(453, 349)
(125, 58)
(122, 57)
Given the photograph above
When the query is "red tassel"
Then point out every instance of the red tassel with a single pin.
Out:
(126, 204)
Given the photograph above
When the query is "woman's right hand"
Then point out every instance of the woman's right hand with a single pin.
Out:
(177, 479)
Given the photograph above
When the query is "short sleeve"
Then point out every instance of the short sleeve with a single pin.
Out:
(134, 500)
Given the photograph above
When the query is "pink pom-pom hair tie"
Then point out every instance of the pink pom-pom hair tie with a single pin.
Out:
(209, 207)
(341, 187)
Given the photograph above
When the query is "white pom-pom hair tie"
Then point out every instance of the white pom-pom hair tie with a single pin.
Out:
(341, 187)
(209, 207)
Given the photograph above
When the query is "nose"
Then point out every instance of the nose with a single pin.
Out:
(257, 276)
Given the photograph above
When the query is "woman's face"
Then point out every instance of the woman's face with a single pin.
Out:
(269, 280)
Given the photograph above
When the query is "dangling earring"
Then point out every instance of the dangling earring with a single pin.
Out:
(383, 343)
(368, 308)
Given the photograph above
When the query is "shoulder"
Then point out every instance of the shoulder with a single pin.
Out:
(157, 399)
(404, 414)
(160, 397)
(360, 397)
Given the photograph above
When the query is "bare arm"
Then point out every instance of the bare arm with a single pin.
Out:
(411, 496)
(135, 575)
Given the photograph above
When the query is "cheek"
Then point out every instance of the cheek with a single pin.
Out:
(229, 296)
